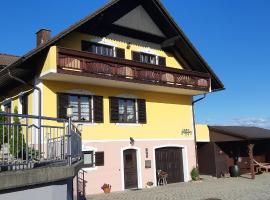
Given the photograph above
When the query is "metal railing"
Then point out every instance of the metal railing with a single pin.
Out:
(74, 62)
(81, 185)
(25, 144)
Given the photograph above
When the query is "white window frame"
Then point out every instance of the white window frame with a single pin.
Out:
(86, 148)
(104, 41)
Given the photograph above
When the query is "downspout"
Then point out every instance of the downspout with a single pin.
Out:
(194, 126)
(39, 107)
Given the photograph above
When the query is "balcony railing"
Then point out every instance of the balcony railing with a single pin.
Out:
(97, 66)
(24, 144)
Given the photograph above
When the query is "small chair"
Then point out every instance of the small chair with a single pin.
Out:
(261, 166)
(162, 178)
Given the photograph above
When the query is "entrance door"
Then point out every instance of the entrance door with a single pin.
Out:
(130, 169)
(170, 160)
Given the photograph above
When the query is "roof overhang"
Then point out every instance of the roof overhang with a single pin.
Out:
(102, 21)
(242, 133)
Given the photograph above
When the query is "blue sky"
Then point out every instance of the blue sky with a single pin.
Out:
(233, 37)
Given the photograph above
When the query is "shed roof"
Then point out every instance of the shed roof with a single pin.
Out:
(6, 59)
(244, 132)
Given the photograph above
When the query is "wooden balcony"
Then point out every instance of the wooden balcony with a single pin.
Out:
(87, 64)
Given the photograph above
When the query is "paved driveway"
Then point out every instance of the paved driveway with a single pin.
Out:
(208, 189)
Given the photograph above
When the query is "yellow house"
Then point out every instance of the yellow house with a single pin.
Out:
(129, 74)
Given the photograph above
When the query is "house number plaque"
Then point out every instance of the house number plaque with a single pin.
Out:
(186, 132)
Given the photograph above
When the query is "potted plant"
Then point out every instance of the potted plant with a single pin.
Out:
(106, 188)
(149, 184)
(234, 169)
(195, 174)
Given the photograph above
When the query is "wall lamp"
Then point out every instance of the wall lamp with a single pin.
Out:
(132, 141)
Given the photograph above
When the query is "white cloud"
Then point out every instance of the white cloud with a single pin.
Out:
(262, 122)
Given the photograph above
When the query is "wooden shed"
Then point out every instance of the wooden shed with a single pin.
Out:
(229, 145)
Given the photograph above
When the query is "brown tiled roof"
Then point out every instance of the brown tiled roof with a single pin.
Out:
(6, 59)
(243, 131)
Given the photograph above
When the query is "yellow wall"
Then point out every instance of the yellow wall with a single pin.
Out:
(202, 133)
(167, 114)
(50, 64)
(73, 41)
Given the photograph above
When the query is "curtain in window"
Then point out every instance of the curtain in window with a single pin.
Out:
(74, 103)
(85, 108)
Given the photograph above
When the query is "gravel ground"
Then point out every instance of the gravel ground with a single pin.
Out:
(241, 188)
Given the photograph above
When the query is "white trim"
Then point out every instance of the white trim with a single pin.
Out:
(185, 160)
(139, 166)
(140, 140)
(103, 40)
(90, 148)
(205, 140)
(35, 106)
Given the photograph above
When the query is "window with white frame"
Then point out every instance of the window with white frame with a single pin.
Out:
(148, 58)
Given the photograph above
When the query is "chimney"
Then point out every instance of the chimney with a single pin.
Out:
(43, 36)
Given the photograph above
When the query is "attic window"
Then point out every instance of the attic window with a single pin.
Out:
(148, 58)
(97, 48)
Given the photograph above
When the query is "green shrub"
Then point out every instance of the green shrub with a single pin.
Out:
(16, 140)
(3, 129)
(195, 175)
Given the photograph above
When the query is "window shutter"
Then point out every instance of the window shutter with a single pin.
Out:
(136, 56)
(62, 104)
(98, 109)
(114, 110)
(162, 61)
(25, 104)
(99, 158)
(120, 53)
(87, 46)
(141, 111)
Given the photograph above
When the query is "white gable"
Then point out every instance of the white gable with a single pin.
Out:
(139, 19)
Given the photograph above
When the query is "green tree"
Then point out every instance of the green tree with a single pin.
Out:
(17, 141)
(3, 130)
